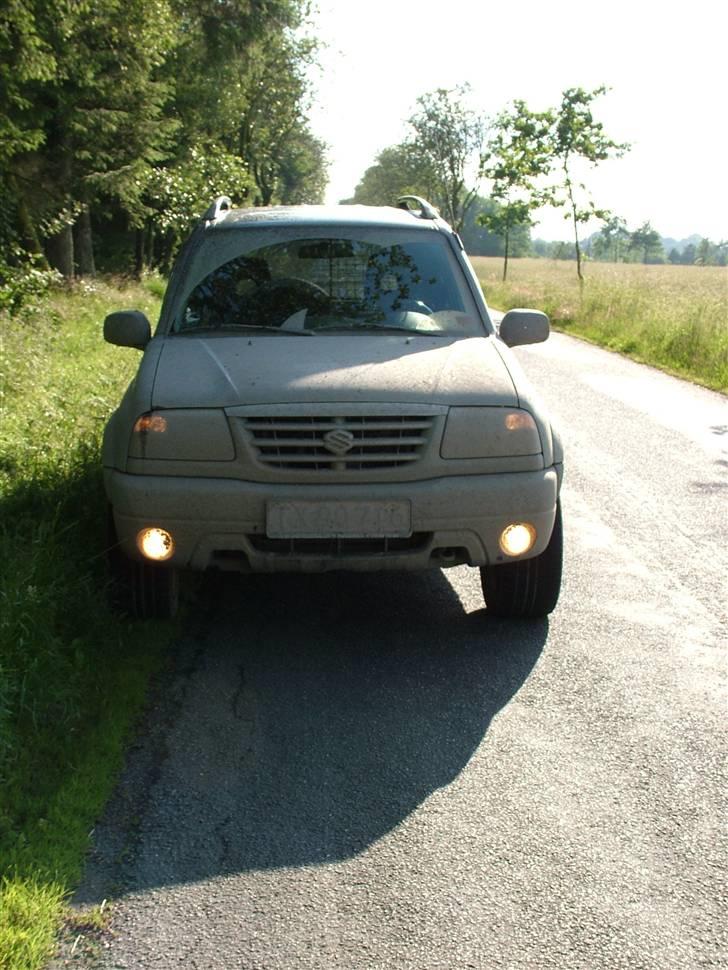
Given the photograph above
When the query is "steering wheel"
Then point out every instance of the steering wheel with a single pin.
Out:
(274, 301)
(312, 295)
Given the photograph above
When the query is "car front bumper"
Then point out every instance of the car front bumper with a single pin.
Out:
(221, 523)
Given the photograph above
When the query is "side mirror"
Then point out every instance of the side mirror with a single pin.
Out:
(128, 328)
(524, 327)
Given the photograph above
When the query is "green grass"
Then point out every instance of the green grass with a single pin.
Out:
(673, 317)
(72, 675)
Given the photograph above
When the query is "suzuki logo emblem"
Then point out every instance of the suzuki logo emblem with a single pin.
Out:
(338, 442)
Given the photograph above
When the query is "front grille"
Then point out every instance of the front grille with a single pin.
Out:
(364, 442)
(340, 548)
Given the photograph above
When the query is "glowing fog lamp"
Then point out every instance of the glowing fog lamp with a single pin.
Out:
(156, 544)
(517, 538)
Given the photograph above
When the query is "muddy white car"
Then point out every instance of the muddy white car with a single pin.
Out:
(326, 390)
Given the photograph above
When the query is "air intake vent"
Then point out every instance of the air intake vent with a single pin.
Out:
(347, 443)
(340, 548)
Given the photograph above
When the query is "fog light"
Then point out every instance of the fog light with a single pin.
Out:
(155, 544)
(517, 538)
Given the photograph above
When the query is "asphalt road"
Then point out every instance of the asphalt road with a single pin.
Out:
(369, 772)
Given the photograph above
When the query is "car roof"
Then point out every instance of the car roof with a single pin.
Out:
(318, 215)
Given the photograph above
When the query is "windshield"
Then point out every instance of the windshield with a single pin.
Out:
(335, 285)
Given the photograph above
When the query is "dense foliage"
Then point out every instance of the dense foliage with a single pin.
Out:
(120, 121)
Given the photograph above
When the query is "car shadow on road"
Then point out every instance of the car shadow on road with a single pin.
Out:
(305, 718)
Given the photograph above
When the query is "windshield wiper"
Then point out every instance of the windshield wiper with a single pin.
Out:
(250, 327)
(382, 329)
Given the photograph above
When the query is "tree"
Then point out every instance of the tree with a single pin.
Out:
(397, 170)
(96, 124)
(711, 254)
(612, 243)
(241, 83)
(303, 169)
(177, 194)
(516, 155)
(27, 63)
(646, 243)
(103, 106)
(272, 121)
(577, 135)
(481, 241)
(118, 130)
(448, 136)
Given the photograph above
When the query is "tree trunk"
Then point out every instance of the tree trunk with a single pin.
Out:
(572, 204)
(59, 249)
(576, 241)
(28, 231)
(151, 246)
(578, 255)
(139, 235)
(84, 244)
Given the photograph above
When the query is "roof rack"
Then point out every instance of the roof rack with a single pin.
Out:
(426, 211)
(221, 204)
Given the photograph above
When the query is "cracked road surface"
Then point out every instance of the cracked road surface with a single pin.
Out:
(369, 772)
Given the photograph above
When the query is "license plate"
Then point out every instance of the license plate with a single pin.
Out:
(327, 520)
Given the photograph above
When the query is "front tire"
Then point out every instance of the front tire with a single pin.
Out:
(528, 588)
(154, 591)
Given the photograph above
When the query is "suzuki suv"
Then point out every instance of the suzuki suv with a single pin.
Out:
(326, 390)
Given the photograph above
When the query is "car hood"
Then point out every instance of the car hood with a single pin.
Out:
(225, 371)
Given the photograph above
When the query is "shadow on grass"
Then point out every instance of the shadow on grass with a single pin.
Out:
(72, 674)
(308, 717)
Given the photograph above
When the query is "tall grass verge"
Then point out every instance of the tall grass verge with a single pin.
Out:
(72, 675)
(673, 317)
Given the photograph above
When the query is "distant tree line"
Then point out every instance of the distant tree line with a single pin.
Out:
(615, 243)
(119, 122)
(704, 253)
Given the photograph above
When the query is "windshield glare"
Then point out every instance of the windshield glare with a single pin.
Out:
(335, 285)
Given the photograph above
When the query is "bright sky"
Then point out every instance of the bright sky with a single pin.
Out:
(665, 62)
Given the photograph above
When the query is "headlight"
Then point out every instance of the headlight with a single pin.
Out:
(490, 432)
(182, 434)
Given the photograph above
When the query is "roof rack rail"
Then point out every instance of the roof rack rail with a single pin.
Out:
(426, 211)
(221, 204)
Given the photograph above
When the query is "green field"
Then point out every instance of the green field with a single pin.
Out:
(673, 317)
(73, 676)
